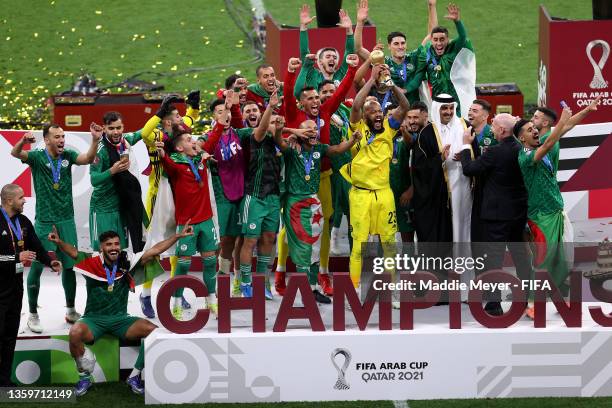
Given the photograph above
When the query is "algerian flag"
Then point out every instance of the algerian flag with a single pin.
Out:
(463, 77)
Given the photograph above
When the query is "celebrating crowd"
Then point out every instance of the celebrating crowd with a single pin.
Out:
(282, 165)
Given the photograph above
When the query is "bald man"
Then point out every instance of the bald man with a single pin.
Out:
(19, 246)
(503, 213)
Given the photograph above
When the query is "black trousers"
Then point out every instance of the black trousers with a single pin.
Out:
(497, 235)
(10, 314)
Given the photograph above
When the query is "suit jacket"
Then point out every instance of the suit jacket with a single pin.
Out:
(504, 196)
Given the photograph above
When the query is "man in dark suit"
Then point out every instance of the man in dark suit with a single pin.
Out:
(19, 246)
(503, 209)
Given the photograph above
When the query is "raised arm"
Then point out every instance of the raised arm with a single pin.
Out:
(554, 136)
(333, 103)
(214, 136)
(345, 145)
(432, 18)
(96, 135)
(305, 20)
(454, 15)
(361, 73)
(18, 151)
(65, 247)
(404, 106)
(260, 132)
(349, 44)
(164, 245)
(362, 94)
(579, 117)
(362, 16)
(289, 101)
(279, 128)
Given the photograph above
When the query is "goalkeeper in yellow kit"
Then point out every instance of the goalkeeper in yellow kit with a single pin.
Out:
(159, 129)
(371, 201)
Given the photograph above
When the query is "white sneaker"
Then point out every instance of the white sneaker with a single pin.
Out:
(34, 323)
(334, 242)
(72, 317)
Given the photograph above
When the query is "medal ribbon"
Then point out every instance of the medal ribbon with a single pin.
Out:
(110, 276)
(16, 227)
(318, 127)
(308, 162)
(432, 57)
(226, 152)
(547, 162)
(194, 170)
(386, 99)
(55, 170)
(371, 138)
(481, 134)
(396, 148)
(404, 75)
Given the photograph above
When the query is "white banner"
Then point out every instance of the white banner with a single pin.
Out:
(373, 365)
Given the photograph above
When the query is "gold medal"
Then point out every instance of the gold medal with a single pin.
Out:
(394, 161)
(279, 153)
(307, 177)
(110, 287)
(56, 186)
(438, 68)
(20, 243)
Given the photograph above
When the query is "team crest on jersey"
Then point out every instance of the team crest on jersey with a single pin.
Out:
(252, 226)
(316, 155)
(184, 247)
(65, 163)
(487, 142)
(409, 67)
(201, 166)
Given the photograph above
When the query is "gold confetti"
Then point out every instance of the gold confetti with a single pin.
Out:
(40, 60)
(122, 56)
(173, 68)
(98, 12)
(35, 35)
(98, 27)
(73, 29)
(8, 38)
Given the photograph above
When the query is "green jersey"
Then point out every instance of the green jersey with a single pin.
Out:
(438, 67)
(100, 300)
(104, 198)
(486, 139)
(544, 196)
(309, 76)
(399, 166)
(52, 204)
(405, 74)
(338, 133)
(303, 169)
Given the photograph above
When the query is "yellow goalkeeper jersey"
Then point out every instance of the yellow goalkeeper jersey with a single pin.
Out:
(369, 168)
(151, 133)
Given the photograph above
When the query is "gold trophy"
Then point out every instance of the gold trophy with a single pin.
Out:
(384, 80)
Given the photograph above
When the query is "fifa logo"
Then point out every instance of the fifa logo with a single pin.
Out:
(341, 383)
(598, 81)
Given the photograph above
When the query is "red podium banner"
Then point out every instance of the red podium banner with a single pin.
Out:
(574, 66)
